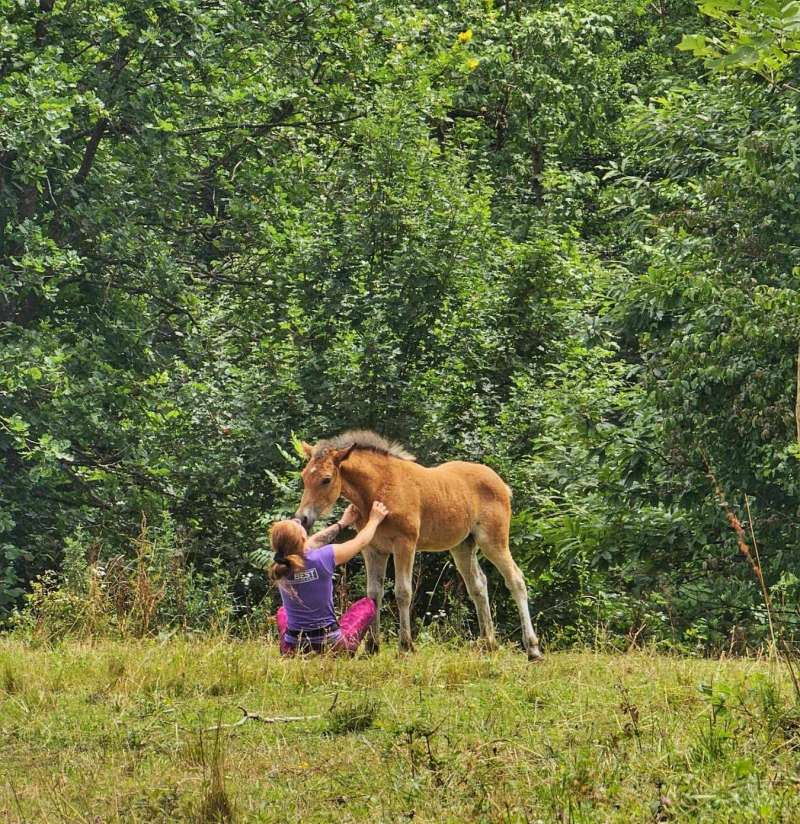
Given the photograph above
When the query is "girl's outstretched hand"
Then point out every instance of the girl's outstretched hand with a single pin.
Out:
(349, 516)
(378, 512)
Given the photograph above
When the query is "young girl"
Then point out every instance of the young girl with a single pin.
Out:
(303, 570)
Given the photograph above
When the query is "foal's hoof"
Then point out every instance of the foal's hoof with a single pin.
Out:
(535, 655)
(406, 647)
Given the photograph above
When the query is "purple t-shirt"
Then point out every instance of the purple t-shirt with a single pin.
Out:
(307, 595)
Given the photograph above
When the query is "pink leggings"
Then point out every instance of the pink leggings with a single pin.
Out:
(353, 625)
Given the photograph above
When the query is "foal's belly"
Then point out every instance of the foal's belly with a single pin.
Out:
(425, 548)
(439, 540)
(441, 534)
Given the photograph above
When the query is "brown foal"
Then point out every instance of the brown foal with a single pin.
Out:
(456, 506)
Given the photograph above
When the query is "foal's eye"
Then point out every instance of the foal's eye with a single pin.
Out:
(325, 481)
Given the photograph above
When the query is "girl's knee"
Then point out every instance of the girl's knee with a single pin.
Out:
(369, 603)
(363, 609)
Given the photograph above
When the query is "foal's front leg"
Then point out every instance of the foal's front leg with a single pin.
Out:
(375, 562)
(403, 570)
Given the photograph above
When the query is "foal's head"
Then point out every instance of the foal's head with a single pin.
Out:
(322, 482)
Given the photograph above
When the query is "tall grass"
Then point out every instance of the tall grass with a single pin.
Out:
(152, 592)
(215, 804)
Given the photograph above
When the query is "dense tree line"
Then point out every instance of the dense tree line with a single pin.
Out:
(539, 235)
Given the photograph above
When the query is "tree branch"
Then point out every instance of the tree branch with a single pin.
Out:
(91, 150)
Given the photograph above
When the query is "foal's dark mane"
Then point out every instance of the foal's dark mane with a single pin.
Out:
(366, 440)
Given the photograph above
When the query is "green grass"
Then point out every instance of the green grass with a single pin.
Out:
(113, 731)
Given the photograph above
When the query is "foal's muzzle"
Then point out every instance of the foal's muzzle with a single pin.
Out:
(306, 517)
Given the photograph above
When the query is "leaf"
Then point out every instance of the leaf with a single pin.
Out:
(697, 44)
(297, 445)
(720, 8)
(261, 558)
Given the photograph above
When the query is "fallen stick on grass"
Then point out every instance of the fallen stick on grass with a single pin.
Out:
(264, 719)
(268, 719)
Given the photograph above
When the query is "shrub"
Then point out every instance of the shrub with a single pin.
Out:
(154, 592)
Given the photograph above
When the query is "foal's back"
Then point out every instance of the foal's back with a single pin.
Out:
(455, 499)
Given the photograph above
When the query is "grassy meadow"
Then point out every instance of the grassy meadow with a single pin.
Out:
(119, 732)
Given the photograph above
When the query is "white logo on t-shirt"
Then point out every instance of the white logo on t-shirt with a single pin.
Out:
(305, 577)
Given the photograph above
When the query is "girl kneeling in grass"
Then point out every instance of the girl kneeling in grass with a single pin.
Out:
(303, 570)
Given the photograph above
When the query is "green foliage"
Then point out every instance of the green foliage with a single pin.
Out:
(760, 36)
(534, 235)
(154, 593)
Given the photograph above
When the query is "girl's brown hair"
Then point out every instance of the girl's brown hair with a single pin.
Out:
(288, 541)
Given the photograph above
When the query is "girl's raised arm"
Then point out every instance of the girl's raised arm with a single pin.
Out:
(342, 553)
(325, 536)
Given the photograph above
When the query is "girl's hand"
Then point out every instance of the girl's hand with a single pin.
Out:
(378, 512)
(350, 515)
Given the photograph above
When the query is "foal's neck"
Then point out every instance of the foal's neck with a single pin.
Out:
(362, 478)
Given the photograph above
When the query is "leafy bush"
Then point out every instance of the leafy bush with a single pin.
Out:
(154, 593)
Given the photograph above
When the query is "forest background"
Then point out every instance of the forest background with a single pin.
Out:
(558, 238)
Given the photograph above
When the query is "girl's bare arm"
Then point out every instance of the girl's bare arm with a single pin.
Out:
(342, 553)
(325, 536)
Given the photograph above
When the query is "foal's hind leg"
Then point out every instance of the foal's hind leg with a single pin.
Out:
(494, 544)
(375, 562)
(465, 557)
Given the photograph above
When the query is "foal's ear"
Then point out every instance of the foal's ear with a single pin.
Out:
(342, 454)
(308, 450)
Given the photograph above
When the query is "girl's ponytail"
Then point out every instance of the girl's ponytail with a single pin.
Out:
(285, 565)
(287, 540)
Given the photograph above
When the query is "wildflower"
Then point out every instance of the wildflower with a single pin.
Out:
(465, 36)
(473, 64)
